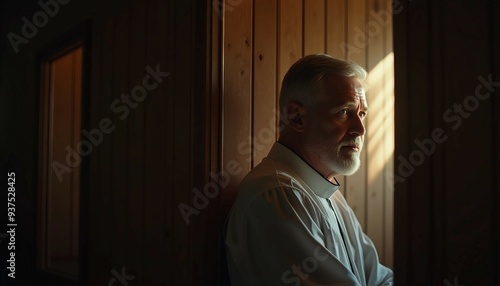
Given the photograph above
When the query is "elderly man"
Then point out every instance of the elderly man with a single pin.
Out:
(290, 225)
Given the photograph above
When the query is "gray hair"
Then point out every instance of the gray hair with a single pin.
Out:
(302, 82)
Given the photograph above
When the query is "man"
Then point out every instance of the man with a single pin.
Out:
(290, 225)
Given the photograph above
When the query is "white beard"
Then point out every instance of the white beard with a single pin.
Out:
(344, 165)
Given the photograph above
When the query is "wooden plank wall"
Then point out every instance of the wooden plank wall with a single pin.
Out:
(215, 111)
(447, 202)
(149, 164)
(157, 153)
(261, 40)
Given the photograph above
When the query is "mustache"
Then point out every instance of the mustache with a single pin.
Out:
(356, 142)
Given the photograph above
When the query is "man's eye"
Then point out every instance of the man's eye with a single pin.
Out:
(343, 111)
(362, 114)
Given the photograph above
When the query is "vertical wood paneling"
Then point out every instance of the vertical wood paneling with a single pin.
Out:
(388, 141)
(77, 136)
(401, 146)
(159, 119)
(356, 40)
(119, 182)
(43, 164)
(290, 36)
(261, 40)
(135, 151)
(102, 220)
(157, 141)
(375, 131)
(216, 216)
(335, 28)
(144, 168)
(314, 27)
(438, 198)
(95, 182)
(443, 230)
(182, 65)
(216, 88)
(105, 166)
(264, 79)
(237, 97)
(207, 230)
(495, 30)
(420, 196)
(463, 212)
(388, 172)
(214, 112)
(307, 27)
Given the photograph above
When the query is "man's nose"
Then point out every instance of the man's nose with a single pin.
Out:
(357, 127)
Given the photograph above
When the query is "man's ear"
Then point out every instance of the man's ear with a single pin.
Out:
(294, 112)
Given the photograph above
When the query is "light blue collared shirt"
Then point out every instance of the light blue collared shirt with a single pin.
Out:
(291, 226)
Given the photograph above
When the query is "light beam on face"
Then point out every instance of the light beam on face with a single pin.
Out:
(338, 138)
(347, 160)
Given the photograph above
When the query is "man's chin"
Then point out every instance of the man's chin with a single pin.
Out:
(346, 167)
(350, 172)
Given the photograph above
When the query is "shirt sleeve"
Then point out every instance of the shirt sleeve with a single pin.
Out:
(278, 241)
(374, 272)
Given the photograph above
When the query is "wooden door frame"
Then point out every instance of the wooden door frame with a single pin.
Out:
(79, 36)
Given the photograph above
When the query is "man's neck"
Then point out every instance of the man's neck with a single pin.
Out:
(295, 145)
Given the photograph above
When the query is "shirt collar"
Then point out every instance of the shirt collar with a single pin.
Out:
(319, 185)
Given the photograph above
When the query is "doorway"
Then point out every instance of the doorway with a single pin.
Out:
(60, 176)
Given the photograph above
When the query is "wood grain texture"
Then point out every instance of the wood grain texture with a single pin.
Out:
(290, 36)
(237, 95)
(314, 26)
(302, 29)
(375, 131)
(166, 146)
(336, 28)
(264, 78)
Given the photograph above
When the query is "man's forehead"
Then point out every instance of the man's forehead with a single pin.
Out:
(334, 81)
(360, 91)
(360, 95)
(344, 89)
